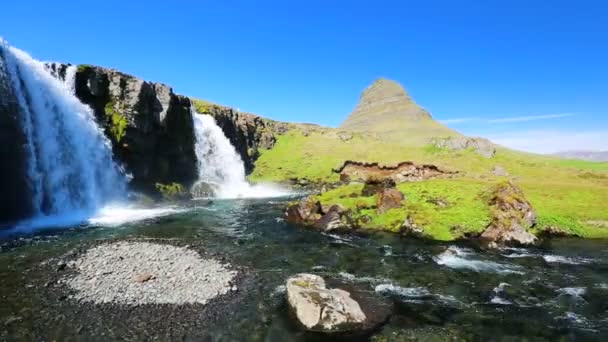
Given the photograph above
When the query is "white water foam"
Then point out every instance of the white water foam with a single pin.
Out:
(497, 299)
(71, 173)
(407, 292)
(220, 167)
(558, 259)
(112, 215)
(576, 292)
(460, 258)
(117, 215)
(352, 278)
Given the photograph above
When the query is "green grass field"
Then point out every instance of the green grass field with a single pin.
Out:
(568, 195)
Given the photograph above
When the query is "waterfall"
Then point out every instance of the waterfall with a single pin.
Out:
(70, 169)
(221, 172)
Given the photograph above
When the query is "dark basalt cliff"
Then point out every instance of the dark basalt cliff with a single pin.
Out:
(150, 127)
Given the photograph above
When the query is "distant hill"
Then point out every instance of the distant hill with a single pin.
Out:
(386, 107)
(597, 156)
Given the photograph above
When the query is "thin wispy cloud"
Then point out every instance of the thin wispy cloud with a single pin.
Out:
(552, 141)
(531, 118)
(510, 119)
(455, 121)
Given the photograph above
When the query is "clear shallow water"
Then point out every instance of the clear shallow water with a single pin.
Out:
(557, 291)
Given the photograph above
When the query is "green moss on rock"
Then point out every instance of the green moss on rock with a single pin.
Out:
(172, 191)
(118, 122)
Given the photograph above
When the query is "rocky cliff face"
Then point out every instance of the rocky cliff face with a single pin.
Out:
(150, 127)
(15, 198)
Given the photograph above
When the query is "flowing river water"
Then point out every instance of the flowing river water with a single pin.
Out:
(553, 292)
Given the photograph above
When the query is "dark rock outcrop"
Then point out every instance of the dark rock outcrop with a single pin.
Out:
(306, 211)
(309, 212)
(403, 172)
(332, 219)
(389, 199)
(512, 216)
(15, 196)
(374, 185)
(150, 127)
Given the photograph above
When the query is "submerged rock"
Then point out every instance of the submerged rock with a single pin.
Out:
(512, 216)
(321, 309)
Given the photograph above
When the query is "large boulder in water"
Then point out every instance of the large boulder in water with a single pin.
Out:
(512, 216)
(333, 310)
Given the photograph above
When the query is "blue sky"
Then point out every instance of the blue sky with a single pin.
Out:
(529, 74)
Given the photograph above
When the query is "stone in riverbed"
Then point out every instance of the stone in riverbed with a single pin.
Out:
(307, 211)
(321, 309)
(332, 220)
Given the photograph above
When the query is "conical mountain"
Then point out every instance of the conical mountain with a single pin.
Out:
(386, 107)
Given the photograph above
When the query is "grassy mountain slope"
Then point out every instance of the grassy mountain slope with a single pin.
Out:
(388, 127)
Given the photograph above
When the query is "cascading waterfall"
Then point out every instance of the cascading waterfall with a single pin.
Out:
(70, 168)
(220, 168)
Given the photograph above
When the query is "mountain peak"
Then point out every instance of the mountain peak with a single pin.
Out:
(384, 105)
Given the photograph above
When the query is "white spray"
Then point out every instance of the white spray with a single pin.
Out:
(221, 172)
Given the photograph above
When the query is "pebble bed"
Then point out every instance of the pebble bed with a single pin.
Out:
(135, 273)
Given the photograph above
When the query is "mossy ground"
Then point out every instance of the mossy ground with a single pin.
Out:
(569, 195)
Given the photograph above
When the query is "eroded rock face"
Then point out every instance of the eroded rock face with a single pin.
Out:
(402, 172)
(321, 309)
(513, 215)
(480, 146)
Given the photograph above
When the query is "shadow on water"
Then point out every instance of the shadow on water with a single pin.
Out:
(556, 291)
